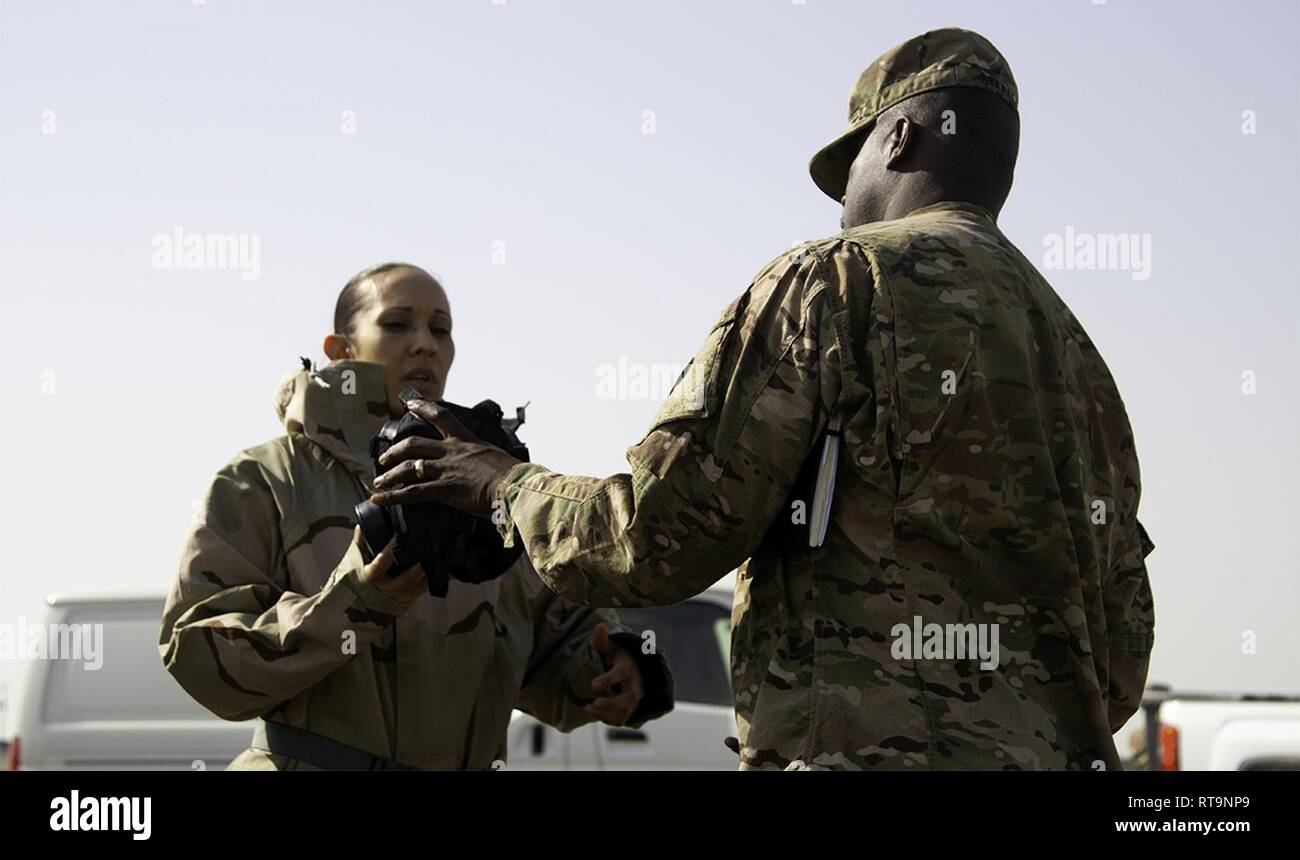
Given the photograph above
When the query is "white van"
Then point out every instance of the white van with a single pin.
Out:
(129, 714)
(4, 725)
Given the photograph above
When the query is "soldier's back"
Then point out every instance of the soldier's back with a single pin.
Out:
(994, 511)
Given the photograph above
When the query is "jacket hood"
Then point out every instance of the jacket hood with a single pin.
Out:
(340, 407)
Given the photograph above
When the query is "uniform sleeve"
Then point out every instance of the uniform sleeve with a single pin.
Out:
(1130, 623)
(233, 634)
(718, 463)
(563, 663)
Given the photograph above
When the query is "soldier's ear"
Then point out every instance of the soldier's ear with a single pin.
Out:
(899, 141)
(336, 347)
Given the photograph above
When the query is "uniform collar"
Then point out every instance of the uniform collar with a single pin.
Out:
(953, 206)
(340, 407)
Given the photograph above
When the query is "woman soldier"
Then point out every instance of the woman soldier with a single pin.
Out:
(276, 613)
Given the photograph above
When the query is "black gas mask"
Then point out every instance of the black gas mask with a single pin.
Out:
(447, 543)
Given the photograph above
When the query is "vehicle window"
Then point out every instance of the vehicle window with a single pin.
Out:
(130, 683)
(722, 633)
(695, 638)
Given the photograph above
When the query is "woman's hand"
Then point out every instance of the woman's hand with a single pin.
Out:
(405, 587)
(460, 470)
(618, 707)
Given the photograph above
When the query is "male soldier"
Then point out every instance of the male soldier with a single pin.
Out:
(918, 374)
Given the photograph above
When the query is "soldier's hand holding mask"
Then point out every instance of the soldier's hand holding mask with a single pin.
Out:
(405, 587)
(460, 470)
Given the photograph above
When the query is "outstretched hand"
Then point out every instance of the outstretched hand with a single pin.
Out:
(459, 470)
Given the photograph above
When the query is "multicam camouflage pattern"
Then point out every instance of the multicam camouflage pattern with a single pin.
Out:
(269, 597)
(940, 58)
(981, 432)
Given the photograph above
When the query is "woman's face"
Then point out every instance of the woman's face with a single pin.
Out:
(406, 327)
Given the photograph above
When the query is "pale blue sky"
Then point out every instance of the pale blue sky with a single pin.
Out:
(522, 123)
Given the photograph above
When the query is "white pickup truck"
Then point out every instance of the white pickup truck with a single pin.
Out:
(129, 714)
(1218, 731)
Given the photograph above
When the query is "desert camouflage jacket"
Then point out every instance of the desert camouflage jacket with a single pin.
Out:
(987, 485)
(269, 617)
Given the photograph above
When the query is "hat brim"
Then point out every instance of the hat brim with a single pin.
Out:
(830, 166)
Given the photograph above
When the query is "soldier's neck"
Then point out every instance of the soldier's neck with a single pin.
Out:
(910, 200)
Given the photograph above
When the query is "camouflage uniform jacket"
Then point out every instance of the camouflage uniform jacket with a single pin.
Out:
(987, 475)
(270, 618)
